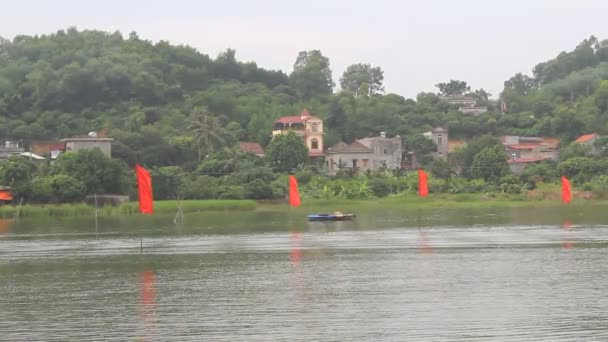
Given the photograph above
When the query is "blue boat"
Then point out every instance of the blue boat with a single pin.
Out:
(337, 216)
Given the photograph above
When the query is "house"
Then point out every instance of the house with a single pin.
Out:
(440, 137)
(9, 149)
(365, 154)
(467, 104)
(589, 140)
(307, 126)
(522, 151)
(251, 147)
(50, 149)
(89, 142)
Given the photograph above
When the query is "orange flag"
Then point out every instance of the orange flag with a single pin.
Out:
(423, 189)
(144, 188)
(294, 195)
(566, 190)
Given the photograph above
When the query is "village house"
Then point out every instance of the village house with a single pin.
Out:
(89, 142)
(523, 151)
(365, 154)
(9, 149)
(307, 126)
(589, 140)
(467, 104)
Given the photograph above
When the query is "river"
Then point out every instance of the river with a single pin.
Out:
(524, 274)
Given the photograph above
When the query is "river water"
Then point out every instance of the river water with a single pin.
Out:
(268, 275)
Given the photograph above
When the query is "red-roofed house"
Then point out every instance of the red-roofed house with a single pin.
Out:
(525, 150)
(308, 126)
(251, 147)
(589, 140)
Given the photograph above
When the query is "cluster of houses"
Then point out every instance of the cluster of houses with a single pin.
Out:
(43, 151)
(381, 151)
(365, 154)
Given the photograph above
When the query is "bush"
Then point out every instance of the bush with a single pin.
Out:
(258, 189)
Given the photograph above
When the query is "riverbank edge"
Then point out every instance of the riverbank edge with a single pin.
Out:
(190, 206)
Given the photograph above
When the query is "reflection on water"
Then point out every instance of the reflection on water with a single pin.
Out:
(348, 282)
(5, 226)
(148, 304)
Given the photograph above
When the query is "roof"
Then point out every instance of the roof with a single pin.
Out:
(551, 142)
(523, 146)
(251, 147)
(585, 138)
(526, 160)
(355, 147)
(32, 155)
(302, 118)
(87, 139)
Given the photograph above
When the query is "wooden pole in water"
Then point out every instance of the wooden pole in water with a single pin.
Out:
(18, 210)
(96, 219)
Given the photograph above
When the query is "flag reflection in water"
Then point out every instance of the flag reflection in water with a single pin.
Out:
(5, 226)
(568, 243)
(147, 304)
(424, 243)
(295, 252)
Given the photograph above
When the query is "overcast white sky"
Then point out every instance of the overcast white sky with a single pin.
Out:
(417, 43)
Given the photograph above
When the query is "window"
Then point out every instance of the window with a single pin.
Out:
(439, 140)
(314, 144)
(331, 164)
(354, 163)
(385, 151)
(315, 127)
(365, 161)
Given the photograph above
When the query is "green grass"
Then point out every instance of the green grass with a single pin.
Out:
(475, 200)
(129, 208)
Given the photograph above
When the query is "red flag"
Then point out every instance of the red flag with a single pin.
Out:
(423, 189)
(144, 187)
(294, 195)
(566, 190)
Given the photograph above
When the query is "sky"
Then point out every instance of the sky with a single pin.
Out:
(417, 43)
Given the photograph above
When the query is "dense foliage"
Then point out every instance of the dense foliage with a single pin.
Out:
(180, 113)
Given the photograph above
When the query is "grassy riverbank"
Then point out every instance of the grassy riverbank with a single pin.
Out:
(408, 200)
(129, 208)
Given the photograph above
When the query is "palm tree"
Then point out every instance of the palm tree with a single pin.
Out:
(206, 131)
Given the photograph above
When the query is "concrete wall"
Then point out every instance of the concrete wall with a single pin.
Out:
(363, 161)
(385, 151)
(77, 145)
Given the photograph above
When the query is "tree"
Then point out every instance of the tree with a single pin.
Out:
(286, 152)
(311, 76)
(465, 156)
(520, 84)
(17, 172)
(360, 76)
(422, 147)
(99, 173)
(490, 164)
(206, 131)
(453, 88)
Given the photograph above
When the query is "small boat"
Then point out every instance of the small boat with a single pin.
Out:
(337, 216)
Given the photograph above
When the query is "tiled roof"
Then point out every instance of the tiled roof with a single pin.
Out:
(302, 118)
(523, 146)
(355, 147)
(585, 138)
(251, 147)
(290, 119)
(551, 142)
(525, 160)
